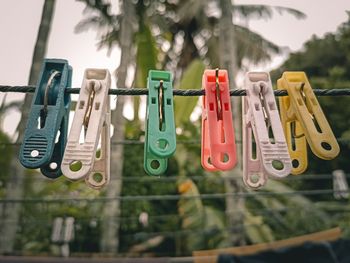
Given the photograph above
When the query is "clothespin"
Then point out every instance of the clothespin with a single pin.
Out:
(160, 136)
(303, 121)
(262, 122)
(340, 185)
(46, 131)
(218, 138)
(92, 118)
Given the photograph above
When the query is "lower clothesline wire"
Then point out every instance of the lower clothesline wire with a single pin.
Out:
(174, 197)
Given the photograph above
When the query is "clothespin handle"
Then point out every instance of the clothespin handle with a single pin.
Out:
(46, 130)
(92, 122)
(160, 141)
(218, 139)
(261, 121)
(303, 120)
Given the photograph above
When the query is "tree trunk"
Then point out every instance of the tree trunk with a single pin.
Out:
(233, 181)
(111, 211)
(14, 188)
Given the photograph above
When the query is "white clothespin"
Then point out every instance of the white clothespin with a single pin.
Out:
(259, 115)
(340, 185)
(92, 114)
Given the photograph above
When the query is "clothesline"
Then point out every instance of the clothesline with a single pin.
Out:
(176, 92)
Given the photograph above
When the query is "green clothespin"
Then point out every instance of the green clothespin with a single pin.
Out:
(48, 119)
(160, 141)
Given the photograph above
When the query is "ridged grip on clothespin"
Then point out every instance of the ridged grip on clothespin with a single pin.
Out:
(46, 130)
(160, 136)
(261, 121)
(218, 150)
(304, 121)
(92, 115)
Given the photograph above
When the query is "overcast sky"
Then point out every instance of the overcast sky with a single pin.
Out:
(19, 21)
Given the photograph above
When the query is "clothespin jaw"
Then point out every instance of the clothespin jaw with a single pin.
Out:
(46, 131)
(304, 121)
(218, 139)
(261, 121)
(160, 141)
(92, 114)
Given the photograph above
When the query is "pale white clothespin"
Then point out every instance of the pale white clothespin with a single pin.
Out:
(340, 185)
(92, 114)
(259, 115)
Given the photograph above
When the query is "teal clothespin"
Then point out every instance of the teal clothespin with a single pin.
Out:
(46, 132)
(160, 141)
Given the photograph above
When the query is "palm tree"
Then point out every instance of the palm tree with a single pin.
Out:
(14, 187)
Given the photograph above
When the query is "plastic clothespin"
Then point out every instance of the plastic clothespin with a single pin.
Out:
(340, 185)
(160, 136)
(261, 121)
(46, 132)
(303, 121)
(92, 115)
(218, 138)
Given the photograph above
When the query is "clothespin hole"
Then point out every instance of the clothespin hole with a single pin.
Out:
(155, 164)
(57, 136)
(39, 123)
(209, 160)
(97, 177)
(226, 158)
(98, 154)
(34, 153)
(254, 178)
(257, 106)
(326, 146)
(75, 166)
(295, 163)
(53, 166)
(277, 164)
(162, 144)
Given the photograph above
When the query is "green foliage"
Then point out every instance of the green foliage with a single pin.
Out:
(256, 230)
(205, 224)
(146, 56)
(192, 78)
(5, 160)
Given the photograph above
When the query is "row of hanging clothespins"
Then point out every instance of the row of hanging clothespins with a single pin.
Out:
(274, 142)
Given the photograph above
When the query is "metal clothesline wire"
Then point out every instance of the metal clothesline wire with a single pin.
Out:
(176, 92)
(176, 197)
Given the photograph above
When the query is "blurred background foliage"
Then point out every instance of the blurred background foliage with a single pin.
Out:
(182, 37)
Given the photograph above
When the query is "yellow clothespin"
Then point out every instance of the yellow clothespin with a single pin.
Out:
(304, 121)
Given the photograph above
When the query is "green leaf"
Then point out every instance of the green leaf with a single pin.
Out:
(192, 213)
(191, 79)
(256, 229)
(146, 56)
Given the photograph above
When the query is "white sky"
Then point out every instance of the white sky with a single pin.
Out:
(19, 22)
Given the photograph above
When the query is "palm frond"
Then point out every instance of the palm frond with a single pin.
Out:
(264, 11)
(254, 47)
(190, 9)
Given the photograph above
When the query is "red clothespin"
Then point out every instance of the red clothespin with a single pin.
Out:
(218, 139)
